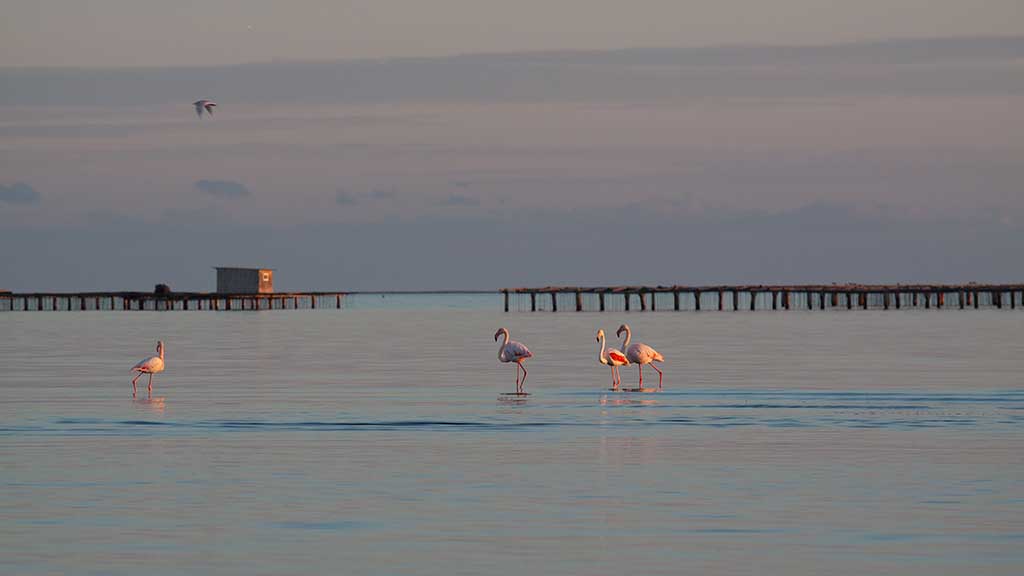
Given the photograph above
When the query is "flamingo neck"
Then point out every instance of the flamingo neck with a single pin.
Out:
(625, 343)
(601, 355)
(504, 341)
(161, 352)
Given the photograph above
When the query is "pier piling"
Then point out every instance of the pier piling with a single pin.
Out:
(777, 297)
(780, 297)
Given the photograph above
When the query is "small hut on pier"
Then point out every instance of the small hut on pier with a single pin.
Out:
(245, 280)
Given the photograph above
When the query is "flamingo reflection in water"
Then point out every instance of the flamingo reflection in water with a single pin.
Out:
(156, 405)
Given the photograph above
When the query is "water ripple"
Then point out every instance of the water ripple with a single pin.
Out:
(622, 412)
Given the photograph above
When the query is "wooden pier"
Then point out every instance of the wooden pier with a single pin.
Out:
(65, 301)
(764, 297)
(567, 298)
(213, 301)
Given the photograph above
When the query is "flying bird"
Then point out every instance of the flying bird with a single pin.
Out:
(640, 354)
(150, 366)
(613, 358)
(512, 351)
(204, 104)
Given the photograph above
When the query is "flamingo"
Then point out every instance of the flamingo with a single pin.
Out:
(613, 358)
(150, 366)
(512, 351)
(204, 104)
(640, 354)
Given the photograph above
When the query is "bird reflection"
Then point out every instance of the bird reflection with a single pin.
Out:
(512, 399)
(156, 405)
(619, 400)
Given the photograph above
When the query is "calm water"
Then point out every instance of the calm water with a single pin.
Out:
(372, 441)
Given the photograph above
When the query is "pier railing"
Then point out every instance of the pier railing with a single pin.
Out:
(763, 297)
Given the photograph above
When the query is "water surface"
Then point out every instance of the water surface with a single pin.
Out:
(372, 440)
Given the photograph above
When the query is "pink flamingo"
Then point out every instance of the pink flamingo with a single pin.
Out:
(640, 354)
(512, 351)
(613, 358)
(150, 366)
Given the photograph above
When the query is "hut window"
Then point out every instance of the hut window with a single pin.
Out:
(266, 276)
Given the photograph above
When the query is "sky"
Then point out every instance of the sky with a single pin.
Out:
(194, 32)
(480, 145)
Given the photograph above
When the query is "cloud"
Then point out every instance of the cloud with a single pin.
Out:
(384, 193)
(222, 188)
(19, 193)
(816, 243)
(345, 198)
(953, 65)
(459, 200)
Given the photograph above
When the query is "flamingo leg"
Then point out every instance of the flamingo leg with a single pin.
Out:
(524, 377)
(659, 375)
(150, 387)
(517, 378)
(134, 389)
(640, 368)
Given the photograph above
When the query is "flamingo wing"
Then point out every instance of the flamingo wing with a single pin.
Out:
(151, 364)
(515, 351)
(617, 357)
(643, 354)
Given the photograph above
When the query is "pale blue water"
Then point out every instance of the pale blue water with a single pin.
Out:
(371, 440)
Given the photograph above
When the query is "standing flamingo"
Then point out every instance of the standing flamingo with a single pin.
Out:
(512, 351)
(150, 366)
(613, 358)
(640, 354)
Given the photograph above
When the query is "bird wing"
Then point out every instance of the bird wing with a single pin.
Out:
(617, 356)
(151, 364)
(209, 107)
(199, 107)
(642, 353)
(516, 351)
